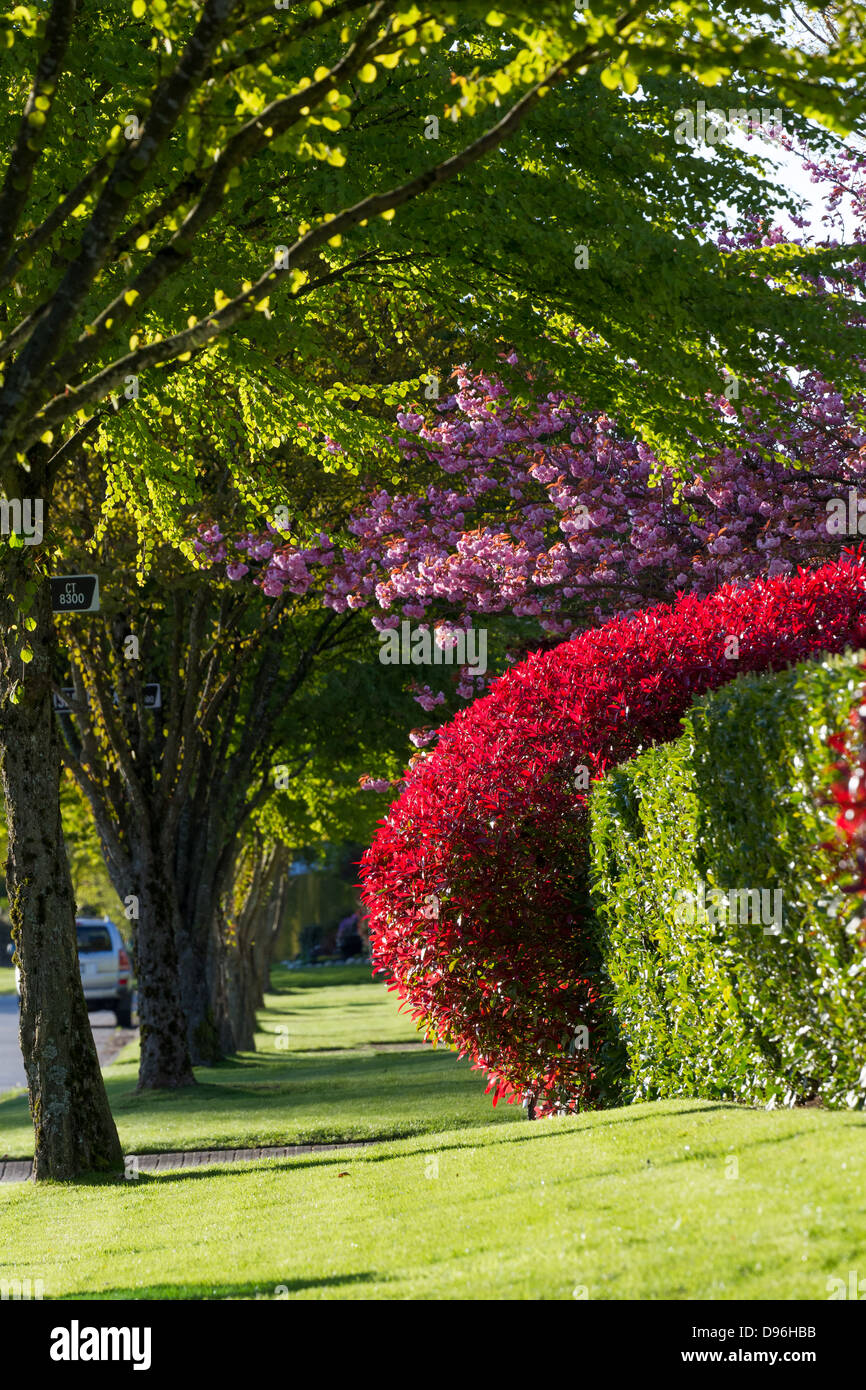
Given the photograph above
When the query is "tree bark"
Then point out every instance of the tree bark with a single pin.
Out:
(139, 866)
(74, 1129)
(165, 1056)
(245, 929)
(189, 787)
(238, 1019)
(201, 975)
(267, 938)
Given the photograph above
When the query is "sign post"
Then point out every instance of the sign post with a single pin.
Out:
(152, 693)
(74, 593)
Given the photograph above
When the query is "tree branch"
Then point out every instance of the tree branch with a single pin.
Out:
(43, 233)
(206, 330)
(277, 118)
(133, 165)
(34, 121)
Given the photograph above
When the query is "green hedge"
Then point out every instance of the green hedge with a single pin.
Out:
(734, 1010)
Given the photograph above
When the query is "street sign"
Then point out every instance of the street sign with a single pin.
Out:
(60, 703)
(152, 698)
(74, 593)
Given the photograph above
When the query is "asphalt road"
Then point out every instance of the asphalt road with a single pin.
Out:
(109, 1039)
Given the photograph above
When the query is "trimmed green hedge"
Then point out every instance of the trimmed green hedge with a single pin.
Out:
(764, 1011)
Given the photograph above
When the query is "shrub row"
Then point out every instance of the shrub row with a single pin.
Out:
(733, 958)
(476, 879)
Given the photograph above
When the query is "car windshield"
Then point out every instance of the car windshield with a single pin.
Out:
(93, 939)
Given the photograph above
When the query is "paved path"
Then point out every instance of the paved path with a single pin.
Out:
(109, 1040)
(11, 1065)
(20, 1170)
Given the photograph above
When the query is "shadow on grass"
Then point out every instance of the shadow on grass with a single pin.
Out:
(322, 977)
(265, 1099)
(358, 1149)
(363, 1072)
(207, 1292)
(242, 1061)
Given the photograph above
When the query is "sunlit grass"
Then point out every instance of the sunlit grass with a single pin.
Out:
(335, 1060)
(671, 1200)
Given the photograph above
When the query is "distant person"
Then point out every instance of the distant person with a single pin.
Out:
(349, 943)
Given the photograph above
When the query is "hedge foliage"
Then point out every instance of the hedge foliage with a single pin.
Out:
(476, 879)
(766, 1011)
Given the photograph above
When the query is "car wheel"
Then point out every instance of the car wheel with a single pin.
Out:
(123, 1013)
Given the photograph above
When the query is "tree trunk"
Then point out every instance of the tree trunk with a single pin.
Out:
(262, 952)
(202, 987)
(238, 1022)
(74, 1129)
(138, 867)
(267, 938)
(245, 942)
(165, 1056)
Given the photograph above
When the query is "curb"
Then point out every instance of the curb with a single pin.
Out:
(21, 1170)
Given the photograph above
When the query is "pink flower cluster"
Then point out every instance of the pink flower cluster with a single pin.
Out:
(557, 515)
(560, 518)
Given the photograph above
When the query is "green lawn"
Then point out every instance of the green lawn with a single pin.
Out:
(321, 1073)
(633, 1203)
(673, 1200)
(7, 981)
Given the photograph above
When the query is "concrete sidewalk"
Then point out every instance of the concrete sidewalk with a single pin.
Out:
(108, 1037)
(19, 1170)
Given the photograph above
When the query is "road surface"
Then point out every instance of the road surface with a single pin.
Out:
(109, 1040)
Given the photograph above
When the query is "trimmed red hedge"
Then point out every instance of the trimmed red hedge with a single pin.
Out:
(849, 794)
(475, 880)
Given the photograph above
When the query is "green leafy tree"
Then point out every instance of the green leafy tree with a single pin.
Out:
(261, 702)
(135, 135)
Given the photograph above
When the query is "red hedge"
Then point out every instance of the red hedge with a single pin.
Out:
(475, 877)
(849, 794)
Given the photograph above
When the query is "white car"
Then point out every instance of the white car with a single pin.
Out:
(106, 971)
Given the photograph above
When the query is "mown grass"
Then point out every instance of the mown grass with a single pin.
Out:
(679, 1199)
(327, 1068)
(7, 981)
(671, 1200)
